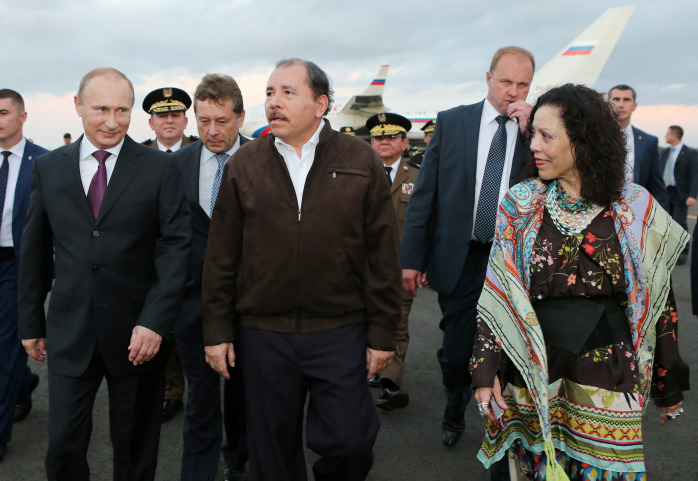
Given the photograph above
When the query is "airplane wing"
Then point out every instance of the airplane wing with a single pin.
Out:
(582, 60)
(371, 99)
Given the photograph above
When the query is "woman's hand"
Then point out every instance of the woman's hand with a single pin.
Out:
(670, 413)
(483, 395)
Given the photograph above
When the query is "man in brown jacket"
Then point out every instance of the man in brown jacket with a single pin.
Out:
(303, 255)
(389, 138)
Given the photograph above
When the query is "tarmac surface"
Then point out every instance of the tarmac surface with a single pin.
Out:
(409, 444)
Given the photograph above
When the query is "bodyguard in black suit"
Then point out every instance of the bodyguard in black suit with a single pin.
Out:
(219, 112)
(18, 154)
(459, 185)
(643, 166)
(114, 215)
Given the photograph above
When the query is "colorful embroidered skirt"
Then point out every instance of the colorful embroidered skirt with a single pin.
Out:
(594, 430)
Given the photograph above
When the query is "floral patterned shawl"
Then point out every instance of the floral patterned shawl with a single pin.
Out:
(651, 242)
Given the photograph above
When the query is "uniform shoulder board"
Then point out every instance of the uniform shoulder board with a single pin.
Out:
(148, 142)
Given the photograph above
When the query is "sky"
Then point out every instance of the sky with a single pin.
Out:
(432, 47)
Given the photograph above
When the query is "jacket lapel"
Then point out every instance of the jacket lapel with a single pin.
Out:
(400, 176)
(128, 163)
(471, 135)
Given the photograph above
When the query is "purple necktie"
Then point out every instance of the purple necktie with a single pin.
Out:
(98, 186)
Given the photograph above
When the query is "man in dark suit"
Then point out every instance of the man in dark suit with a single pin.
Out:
(642, 159)
(474, 156)
(680, 167)
(16, 379)
(113, 213)
(220, 113)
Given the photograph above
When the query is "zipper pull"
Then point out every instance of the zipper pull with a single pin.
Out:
(334, 175)
(299, 215)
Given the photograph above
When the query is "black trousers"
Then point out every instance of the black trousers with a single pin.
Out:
(279, 370)
(14, 372)
(459, 325)
(203, 425)
(234, 418)
(135, 404)
(678, 210)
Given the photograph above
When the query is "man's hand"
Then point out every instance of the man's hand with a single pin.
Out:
(145, 344)
(484, 395)
(412, 279)
(691, 201)
(376, 361)
(36, 348)
(522, 111)
(216, 357)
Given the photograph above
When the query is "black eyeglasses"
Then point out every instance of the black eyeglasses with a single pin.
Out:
(389, 137)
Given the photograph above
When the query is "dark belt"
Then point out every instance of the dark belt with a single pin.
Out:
(7, 254)
(581, 323)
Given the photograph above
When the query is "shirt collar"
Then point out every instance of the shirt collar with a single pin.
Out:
(629, 131)
(174, 148)
(87, 149)
(678, 147)
(18, 149)
(314, 140)
(208, 155)
(489, 113)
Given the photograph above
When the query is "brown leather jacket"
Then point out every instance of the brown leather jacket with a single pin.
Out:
(332, 263)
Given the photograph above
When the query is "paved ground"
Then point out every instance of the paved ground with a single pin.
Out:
(409, 444)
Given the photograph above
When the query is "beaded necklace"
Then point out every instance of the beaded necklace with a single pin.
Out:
(570, 217)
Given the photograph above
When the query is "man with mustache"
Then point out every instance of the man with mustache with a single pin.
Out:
(303, 253)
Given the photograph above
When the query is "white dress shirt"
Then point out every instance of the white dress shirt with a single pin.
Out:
(174, 148)
(298, 167)
(671, 163)
(488, 127)
(207, 174)
(630, 156)
(394, 166)
(89, 165)
(14, 161)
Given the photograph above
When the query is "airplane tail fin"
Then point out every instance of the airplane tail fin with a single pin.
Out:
(371, 99)
(582, 59)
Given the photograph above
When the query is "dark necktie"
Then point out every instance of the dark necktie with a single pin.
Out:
(222, 159)
(486, 214)
(388, 170)
(168, 151)
(98, 186)
(4, 173)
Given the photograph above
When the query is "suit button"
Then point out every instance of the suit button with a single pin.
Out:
(96, 268)
(95, 233)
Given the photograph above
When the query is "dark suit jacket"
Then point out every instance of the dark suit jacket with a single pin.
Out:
(126, 268)
(439, 221)
(647, 169)
(21, 201)
(685, 172)
(188, 160)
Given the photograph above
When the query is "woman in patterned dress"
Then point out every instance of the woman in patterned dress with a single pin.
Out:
(577, 324)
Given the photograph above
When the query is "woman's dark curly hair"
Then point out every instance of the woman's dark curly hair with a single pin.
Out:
(598, 142)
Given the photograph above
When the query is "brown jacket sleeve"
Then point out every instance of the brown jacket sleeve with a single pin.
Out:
(221, 264)
(383, 277)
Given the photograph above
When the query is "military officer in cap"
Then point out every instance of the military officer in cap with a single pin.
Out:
(428, 129)
(348, 131)
(389, 139)
(168, 118)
